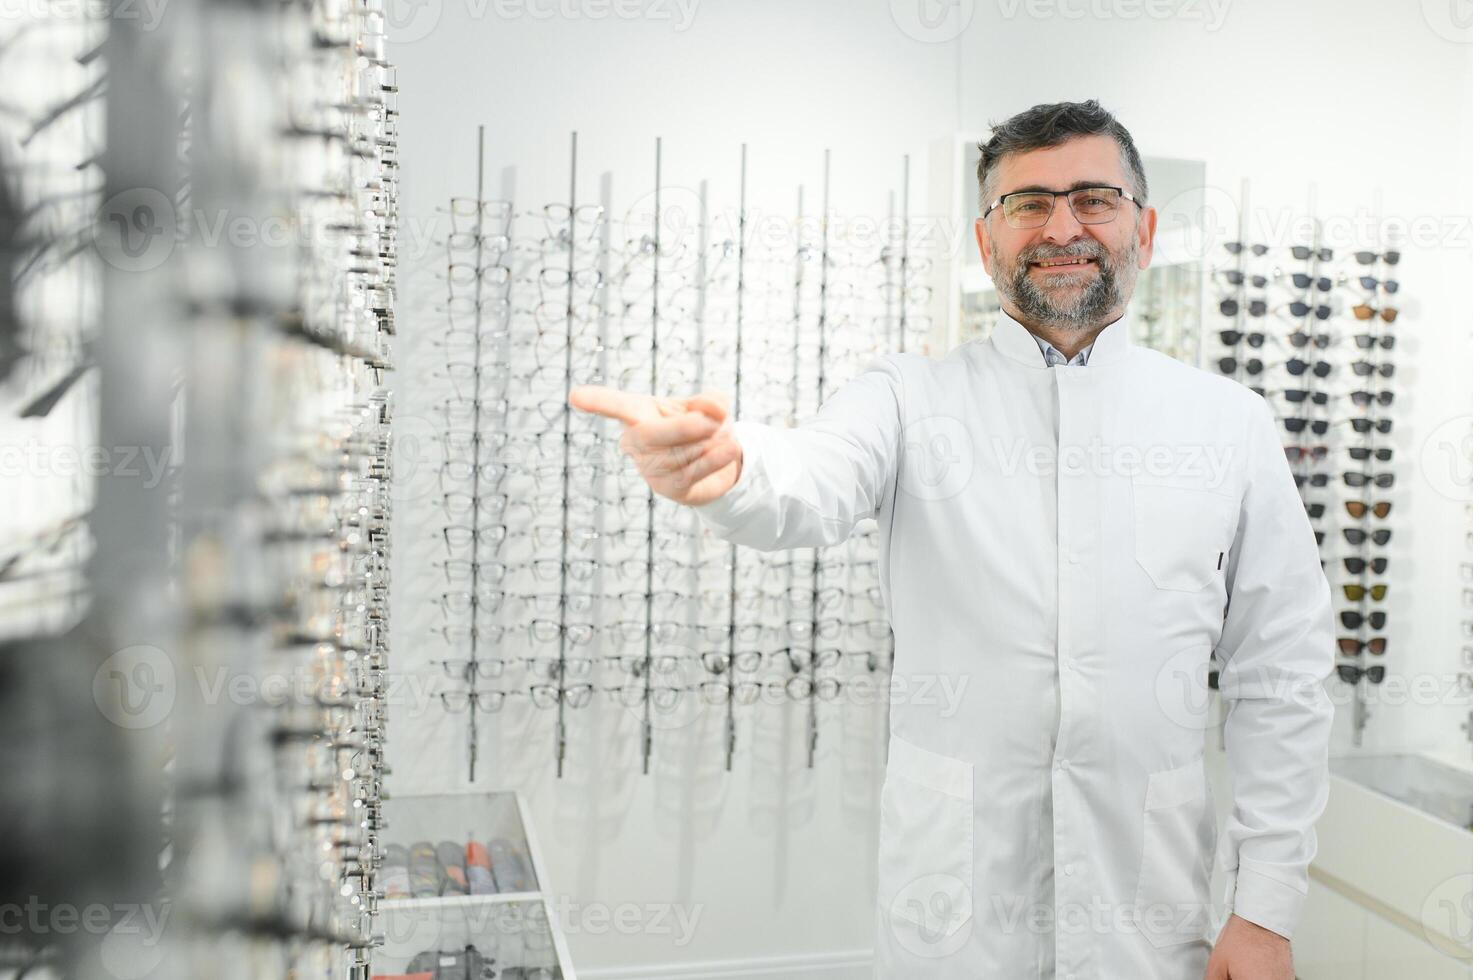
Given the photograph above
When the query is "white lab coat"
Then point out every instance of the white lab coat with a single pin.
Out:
(1067, 546)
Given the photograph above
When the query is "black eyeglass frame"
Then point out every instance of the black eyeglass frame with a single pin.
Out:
(1055, 195)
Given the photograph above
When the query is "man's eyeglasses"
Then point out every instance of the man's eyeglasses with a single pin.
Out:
(1090, 205)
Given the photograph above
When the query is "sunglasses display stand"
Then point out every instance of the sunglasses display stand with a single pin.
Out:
(1335, 401)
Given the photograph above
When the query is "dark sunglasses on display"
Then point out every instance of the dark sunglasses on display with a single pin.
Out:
(1301, 339)
(1297, 395)
(1362, 453)
(1318, 426)
(1233, 338)
(1296, 367)
(1315, 510)
(1371, 282)
(1356, 536)
(1390, 257)
(1358, 566)
(1299, 309)
(1354, 620)
(1236, 277)
(1237, 248)
(1363, 425)
(1350, 673)
(1255, 307)
(1303, 280)
(1364, 398)
(1316, 480)
(1305, 252)
(1366, 341)
(1351, 646)
(1382, 480)
(1365, 369)
(1229, 365)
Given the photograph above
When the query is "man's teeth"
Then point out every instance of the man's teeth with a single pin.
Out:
(1046, 263)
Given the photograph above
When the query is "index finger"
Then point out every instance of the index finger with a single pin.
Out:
(626, 406)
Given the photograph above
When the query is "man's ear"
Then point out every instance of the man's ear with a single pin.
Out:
(984, 243)
(1145, 231)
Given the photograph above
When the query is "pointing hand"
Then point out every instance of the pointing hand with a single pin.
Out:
(683, 447)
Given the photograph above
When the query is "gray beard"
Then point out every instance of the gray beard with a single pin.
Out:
(1089, 306)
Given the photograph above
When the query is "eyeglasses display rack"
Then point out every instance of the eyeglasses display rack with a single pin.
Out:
(602, 596)
(216, 667)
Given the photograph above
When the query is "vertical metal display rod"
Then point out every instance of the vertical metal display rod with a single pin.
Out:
(567, 414)
(799, 256)
(476, 528)
(703, 288)
(823, 311)
(1362, 713)
(903, 291)
(646, 725)
(736, 413)
(797, 310)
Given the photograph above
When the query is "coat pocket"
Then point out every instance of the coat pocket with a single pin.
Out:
(926, 841)
(1181, 533)
(1172, 899)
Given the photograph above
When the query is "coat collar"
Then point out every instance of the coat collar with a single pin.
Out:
(1017, 343)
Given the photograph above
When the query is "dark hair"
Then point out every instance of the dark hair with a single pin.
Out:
(1052, 124)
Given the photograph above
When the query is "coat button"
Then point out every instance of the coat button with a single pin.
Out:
(1068, 869)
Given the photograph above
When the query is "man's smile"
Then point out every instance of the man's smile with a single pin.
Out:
(1077, 263)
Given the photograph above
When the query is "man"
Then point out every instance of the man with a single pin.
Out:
(1072, 525)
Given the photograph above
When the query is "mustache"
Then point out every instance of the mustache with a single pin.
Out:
(1077, 250)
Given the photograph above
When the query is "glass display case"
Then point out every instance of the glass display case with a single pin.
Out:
(465, 894)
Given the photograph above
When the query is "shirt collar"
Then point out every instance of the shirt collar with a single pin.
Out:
(1052, 356)
(1018, 343)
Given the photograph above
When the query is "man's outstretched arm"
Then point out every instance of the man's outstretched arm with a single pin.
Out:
(759, 485)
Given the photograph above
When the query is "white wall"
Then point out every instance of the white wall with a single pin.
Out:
(1338, 106)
